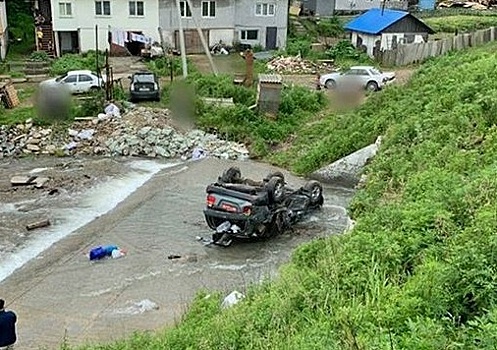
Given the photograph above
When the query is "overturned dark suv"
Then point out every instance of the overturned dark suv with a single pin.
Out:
(144, 86)
(244, 208)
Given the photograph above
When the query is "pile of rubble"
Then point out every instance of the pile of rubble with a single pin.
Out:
(297, 65)
(142, 131)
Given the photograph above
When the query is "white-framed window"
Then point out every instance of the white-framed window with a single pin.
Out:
(136, 8)
(264, 9)
(185, 10)
(102, 8)
(208, 9)
(65, 9)
(249, 34)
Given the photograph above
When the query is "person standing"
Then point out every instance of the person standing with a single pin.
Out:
(8, 321)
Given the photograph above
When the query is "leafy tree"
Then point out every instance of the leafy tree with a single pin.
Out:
(20, 21)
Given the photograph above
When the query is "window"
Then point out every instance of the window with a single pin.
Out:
(249, 34)
(102, 8)
(84, 78)
(185, 9)
(208, 9)
(264, 9)
(136, 8)
(71, 79)
(65, 8)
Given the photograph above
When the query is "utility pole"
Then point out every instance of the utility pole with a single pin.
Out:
(96, 50)
(204, 42)
(182, 39)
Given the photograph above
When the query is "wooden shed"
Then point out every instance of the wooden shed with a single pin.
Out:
(269, 93)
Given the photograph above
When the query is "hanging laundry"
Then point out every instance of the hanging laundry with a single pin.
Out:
(119, 37)
(138, 37)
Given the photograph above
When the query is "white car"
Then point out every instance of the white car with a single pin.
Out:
(77, 81)
(367, 77)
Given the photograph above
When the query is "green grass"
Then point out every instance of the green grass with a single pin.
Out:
(418, 270)
(461, 23)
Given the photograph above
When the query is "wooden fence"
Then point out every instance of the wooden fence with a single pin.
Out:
(406, 54)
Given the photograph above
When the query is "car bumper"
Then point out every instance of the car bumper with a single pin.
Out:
(145, 95)
(246, 223)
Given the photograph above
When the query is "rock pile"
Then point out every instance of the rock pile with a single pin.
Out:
(296, 65)
(140, 132)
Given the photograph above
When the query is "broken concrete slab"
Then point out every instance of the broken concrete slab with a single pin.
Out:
(41, 181)
(347, 171)
(22, 180)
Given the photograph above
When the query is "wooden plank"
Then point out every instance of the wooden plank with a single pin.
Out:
(38, 224)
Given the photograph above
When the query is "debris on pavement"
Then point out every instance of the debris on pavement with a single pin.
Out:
(22, 180)
(38, 224)
(106, 251)
(232, 299)
(138, 307)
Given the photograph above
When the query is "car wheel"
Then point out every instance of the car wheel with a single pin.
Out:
(330, 84)
(94, 89)
(315, 192)
(372, 86)
(231, 175)
(278, 174)
(275, 189)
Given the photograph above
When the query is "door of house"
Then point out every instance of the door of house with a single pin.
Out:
(271, 38)
(193, 44)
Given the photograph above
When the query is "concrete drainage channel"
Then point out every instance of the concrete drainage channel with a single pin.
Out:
(157, 223)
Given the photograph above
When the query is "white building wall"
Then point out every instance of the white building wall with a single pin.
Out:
(84, 19)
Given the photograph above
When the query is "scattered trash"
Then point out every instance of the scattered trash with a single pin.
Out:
(106, 251)
(233, 298)
(198, 153)
(71, 145)
(86, 134)
(112, 110)
(171, 257)
(38, 224)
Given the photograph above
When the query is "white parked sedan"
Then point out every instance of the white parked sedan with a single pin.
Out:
(77, 81)
(367, 77)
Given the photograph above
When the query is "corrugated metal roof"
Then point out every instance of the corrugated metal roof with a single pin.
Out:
(375, 20)
(270, 78)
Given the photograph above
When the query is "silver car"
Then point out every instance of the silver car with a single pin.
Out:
(364, 77)
(77, 81)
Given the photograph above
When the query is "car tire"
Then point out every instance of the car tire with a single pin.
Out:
(94, 89)
(372, 86)
(278, 174)
(315, 192)
(275, 189)
(231, 175)
(330, 84)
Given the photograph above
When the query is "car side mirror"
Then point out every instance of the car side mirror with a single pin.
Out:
(129, 77)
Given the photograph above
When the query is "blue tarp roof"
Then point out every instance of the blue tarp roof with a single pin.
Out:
(375, 20)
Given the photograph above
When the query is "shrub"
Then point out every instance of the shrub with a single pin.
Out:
(70, 62)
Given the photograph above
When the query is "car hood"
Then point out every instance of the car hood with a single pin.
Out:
(49, 82)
